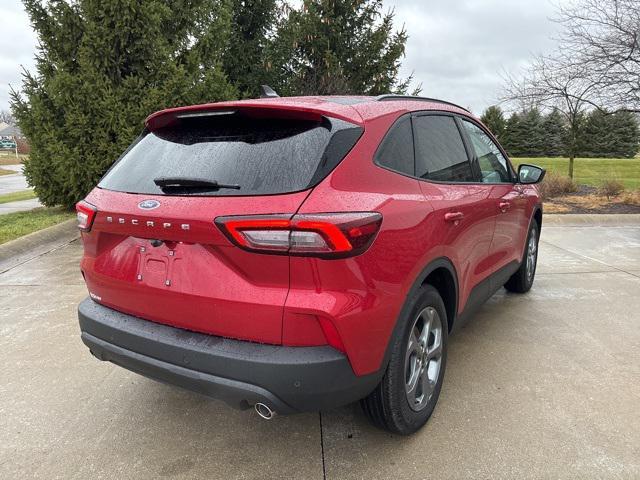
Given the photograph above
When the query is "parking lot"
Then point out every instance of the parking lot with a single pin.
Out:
(544, 385)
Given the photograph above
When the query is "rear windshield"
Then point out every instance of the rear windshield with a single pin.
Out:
(260, 155)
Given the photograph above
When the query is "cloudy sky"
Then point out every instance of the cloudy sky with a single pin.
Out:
(457, 49)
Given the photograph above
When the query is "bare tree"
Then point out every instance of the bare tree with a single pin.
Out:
(603, 37)
(7, 117)
(552, 83)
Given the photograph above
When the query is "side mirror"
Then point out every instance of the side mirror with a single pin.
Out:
(528, 174)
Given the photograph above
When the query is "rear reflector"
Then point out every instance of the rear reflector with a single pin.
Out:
(86, 214)
(325, 235)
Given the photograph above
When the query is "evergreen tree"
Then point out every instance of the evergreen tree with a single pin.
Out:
(609, 135)
(626, 135)
(522, 134)
(493, 118)
(330, 47)
(101, 68)
(511, 136)
(554, 133)
(245, 59)
(596, 137)
(532, 133)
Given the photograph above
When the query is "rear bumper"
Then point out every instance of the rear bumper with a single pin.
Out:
(288, 379)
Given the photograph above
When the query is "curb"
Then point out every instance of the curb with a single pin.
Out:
(33, 245)
(597, 219)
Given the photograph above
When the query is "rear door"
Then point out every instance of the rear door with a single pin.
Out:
(156, 253)
(460, 207)
(508, 202)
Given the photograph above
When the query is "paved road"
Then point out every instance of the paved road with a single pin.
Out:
(13, 183)
(19, 206)
(545, 385)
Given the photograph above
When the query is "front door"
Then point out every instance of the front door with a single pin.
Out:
(505, 199)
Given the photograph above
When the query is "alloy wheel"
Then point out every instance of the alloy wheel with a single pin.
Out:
(532, 254)
(423, 358)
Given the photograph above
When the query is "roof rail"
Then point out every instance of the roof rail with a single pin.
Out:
(385, 98)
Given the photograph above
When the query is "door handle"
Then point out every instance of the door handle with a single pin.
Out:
(504, 206)
(454, 217)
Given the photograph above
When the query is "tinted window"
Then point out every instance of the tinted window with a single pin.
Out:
(262, 155)
(440, 153)
(396, 149)
(493, 165)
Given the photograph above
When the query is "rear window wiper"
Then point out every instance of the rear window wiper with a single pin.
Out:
(186, 183)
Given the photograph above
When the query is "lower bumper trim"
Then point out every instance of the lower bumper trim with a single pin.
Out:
(287, 379)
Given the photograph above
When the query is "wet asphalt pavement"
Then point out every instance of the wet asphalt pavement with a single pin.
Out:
(543, 385)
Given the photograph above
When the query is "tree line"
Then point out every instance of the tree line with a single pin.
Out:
(103, 65)
(600, 134)
(596, 65)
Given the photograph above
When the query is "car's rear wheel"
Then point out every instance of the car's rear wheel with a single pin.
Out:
(410, 387)
(522, 280)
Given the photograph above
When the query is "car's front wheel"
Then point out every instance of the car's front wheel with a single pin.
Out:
(409, 390)
(522, 280)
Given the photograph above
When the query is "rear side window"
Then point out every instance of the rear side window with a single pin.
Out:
(260, 155)
(396, 149)
(440, 153)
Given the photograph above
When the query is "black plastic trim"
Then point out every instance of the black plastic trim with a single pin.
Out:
(288, 379)
(485, 290)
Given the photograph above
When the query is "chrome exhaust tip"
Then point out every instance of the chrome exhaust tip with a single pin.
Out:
(264, 411)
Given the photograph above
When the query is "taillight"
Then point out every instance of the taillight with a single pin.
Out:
(86, 214)
(325, 235)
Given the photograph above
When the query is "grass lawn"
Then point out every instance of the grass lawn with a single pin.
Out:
(17, 196)
(10, 158)
(14, 225)
(4, 171)
(591, 171)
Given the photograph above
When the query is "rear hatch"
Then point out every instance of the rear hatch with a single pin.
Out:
(155, 252)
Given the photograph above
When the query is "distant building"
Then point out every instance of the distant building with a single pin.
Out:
(10, 132)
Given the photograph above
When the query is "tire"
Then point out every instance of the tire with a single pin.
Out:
(522, 280)
(395, 405)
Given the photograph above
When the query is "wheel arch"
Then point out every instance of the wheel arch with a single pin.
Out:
(443, 279)
(537, 216)
(442, 272)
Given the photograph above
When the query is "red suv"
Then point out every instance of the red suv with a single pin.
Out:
(297, 254)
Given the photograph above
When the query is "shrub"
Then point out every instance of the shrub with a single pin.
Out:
(102, 67)
(555, 185)
(631, 198)
(611, 188)
(23, 146)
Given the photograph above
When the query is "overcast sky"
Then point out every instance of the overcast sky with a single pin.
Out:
(457, 49)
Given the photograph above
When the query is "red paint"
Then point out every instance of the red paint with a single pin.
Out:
(350, 303)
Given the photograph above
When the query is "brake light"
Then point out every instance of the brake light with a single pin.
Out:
(86, 214)
(325, 235)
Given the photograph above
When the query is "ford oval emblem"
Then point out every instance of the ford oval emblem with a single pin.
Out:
(149, 204)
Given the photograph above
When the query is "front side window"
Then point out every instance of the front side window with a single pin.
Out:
(440, 153)
(493, 165)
